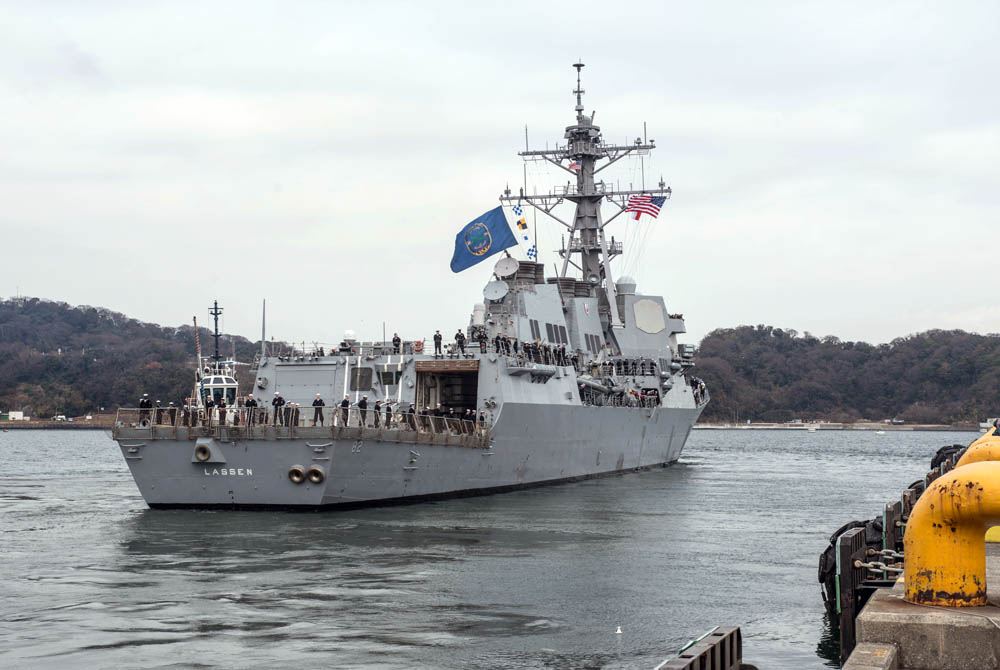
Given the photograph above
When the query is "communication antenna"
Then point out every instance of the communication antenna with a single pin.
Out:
(496, 290)
(505, 267)
(197, 375)
(586, 249)
(263, 336)
(216, 312)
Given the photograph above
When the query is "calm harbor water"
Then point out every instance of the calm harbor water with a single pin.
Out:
(91, 578)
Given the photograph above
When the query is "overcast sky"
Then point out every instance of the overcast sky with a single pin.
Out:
(834, 165)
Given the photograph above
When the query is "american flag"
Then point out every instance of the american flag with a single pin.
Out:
(645, 204)
(576, 166)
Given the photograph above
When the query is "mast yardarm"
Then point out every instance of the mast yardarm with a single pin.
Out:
(587, 249)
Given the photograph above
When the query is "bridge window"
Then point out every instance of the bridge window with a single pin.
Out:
(548, 331)
(361, 379)
(390, 377)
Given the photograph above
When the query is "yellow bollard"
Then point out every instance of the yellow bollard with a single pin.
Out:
(944, 545)
(983, 449)
(985, 436)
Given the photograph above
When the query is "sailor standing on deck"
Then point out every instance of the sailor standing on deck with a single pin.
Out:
(363, 406)
(437, 344)
(222, 411)
(277, 404)
(209, 409)
(388, 414)
(460, 342)
(318, 406)
(251, 406)
(144, 404)
(345, 409)
(397, 343)
(377, 412)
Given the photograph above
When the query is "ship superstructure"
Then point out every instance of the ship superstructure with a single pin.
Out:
(558, 378)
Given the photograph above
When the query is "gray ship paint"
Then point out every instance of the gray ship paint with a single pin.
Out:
(618, 400)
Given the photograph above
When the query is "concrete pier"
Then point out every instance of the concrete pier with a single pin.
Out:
(893, 634)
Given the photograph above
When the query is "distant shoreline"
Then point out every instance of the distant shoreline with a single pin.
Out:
(809, 427)
(98, 423)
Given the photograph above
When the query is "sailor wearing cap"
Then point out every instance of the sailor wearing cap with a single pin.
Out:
(251, 406)
(345, 405)
(144, 405)
(363, 406)
(318, 406)
(278, 403)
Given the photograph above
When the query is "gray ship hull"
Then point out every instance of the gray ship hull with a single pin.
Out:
(530, 445)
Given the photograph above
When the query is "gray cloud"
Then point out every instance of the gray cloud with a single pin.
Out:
(832, 165)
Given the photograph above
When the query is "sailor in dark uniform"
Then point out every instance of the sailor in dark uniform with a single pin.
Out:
(318, 404)
(468, 421)
(222, 411)
(397, 343)
(345, 409)
(144, 405)
(436, 422)
(437, 344)
(251, 406)
(460, 342)
(388, 414)
(277, 404)
(363, 406)
(377, 411)
(209, 409)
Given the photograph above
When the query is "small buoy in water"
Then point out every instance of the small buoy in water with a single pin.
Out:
(619, 631)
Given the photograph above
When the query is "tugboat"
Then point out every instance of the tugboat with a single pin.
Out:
(554, 379)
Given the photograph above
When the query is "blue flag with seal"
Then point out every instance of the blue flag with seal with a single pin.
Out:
(481, 238)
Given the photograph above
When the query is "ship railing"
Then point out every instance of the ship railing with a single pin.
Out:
(348, 349)
(235, 423)
(595, 399)
(701, 398)
(529, 355)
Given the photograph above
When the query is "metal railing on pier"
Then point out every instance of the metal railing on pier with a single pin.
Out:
(291, 421)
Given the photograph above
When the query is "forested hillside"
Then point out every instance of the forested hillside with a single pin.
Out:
(59, 359)
(770, 374)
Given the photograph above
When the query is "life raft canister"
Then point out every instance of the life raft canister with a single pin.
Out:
(418, 347)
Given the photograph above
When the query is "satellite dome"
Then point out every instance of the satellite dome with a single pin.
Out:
(625, 285)
(348, 335)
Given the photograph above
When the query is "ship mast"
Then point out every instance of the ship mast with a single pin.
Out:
(216, 311)
(587, 249)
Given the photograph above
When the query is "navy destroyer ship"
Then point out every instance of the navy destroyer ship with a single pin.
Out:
(554, 379)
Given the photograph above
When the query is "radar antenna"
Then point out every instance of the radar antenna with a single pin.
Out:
(586, 249)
